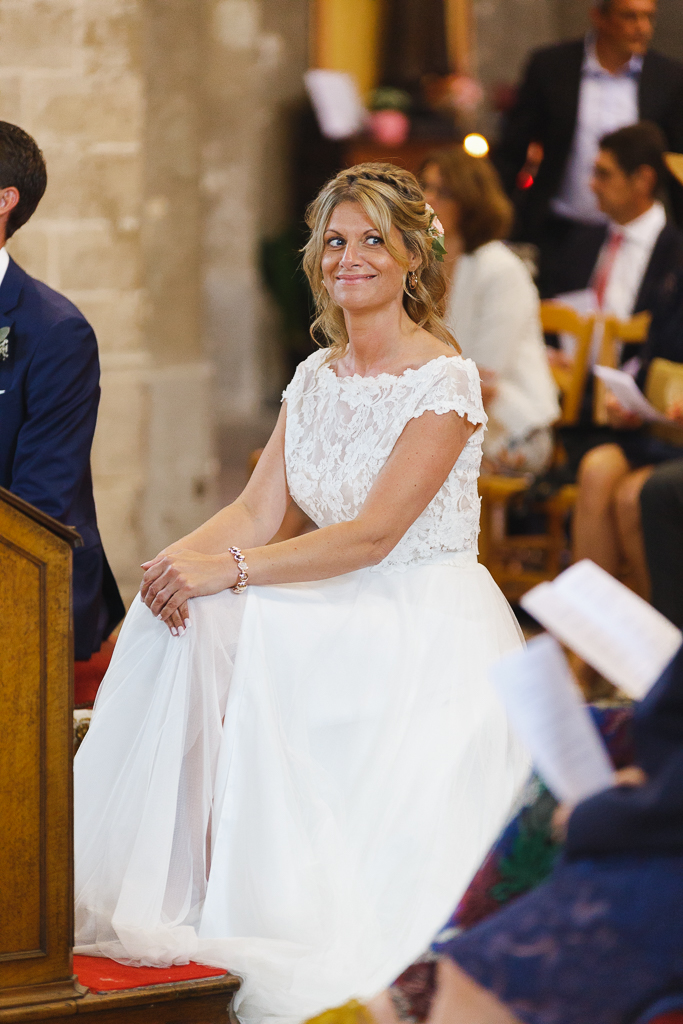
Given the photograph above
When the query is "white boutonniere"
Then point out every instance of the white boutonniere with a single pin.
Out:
(4, 344)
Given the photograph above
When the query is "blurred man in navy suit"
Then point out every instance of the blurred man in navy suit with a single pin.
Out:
(49, 393)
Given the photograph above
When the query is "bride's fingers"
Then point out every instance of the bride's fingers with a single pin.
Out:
(155, 580)
(185, 613)
(153, 573)
(169, 601)
(175, 623)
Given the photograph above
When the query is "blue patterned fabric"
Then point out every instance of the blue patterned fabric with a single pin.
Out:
(597, 943)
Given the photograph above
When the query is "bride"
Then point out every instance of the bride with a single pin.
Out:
(296, 761)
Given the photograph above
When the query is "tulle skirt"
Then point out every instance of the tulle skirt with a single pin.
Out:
(300, 788)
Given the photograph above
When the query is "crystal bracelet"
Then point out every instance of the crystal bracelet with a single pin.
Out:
(242, 577)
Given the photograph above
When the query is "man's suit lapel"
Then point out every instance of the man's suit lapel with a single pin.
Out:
(649, 91)
(666, 255)
(568, 86)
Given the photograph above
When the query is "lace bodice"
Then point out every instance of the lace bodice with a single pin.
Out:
(341, 430)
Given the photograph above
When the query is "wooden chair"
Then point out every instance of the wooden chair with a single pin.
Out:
(571, 380)
(615, 333)
(505, 555)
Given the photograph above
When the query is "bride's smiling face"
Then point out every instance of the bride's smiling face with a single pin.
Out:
(358, 270)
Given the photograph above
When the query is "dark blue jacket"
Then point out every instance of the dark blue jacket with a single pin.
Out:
(649, 818)
(49, 393)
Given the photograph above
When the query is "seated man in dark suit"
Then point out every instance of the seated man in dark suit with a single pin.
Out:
(640, 249)
(572, 94)
(49, 393)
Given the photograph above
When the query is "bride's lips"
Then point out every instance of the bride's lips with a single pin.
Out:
(351, 278)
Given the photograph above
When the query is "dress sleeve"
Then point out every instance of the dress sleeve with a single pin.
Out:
(453, 386)
(302, 374)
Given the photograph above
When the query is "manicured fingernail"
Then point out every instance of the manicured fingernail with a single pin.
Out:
(174, 631)
(159, 616)
(187, 623)
(181, 630)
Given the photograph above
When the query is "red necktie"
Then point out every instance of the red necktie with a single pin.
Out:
(605, 266)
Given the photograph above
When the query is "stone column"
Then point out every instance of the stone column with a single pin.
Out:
(72, 73)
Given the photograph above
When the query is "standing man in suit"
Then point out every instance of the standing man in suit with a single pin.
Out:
(49, 394)
(572, 95)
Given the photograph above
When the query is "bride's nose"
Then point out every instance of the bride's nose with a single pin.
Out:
(350, 256)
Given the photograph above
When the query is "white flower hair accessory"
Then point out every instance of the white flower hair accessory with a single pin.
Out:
(436, 233)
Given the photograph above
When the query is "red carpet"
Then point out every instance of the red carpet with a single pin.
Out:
(101, 975)
(89, 674)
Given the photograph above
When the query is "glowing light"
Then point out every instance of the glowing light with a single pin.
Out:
(475, 145)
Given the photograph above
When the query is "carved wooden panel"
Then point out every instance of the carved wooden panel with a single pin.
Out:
(36, 679)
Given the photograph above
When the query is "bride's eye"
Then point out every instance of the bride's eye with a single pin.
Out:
(336, 243)
(374, 240)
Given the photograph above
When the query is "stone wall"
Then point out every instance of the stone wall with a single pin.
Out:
(70, 75)
(161, 125)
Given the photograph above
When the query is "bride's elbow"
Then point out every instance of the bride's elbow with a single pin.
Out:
(370, 542)
(378, 548)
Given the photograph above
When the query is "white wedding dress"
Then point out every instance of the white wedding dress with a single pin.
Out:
(300, 788)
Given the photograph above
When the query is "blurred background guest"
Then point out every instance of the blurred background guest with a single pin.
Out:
(607, 516)
(640, 247)
(493, 310)
(573, 93)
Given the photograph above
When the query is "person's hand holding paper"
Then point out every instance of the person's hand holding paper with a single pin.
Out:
(628, 406)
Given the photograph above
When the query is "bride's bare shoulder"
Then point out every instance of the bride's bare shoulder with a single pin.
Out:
(430, 347)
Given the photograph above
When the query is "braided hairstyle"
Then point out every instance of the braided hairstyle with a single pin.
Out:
(389, 196)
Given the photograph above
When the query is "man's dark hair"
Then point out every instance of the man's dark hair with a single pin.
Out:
(22, 166)
(637, 145)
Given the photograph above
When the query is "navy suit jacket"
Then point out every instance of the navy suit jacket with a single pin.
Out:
(649, 818)
(49, 394)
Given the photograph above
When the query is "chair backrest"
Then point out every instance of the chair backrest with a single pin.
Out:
(615, 333)
(571, 380)
(663, 386)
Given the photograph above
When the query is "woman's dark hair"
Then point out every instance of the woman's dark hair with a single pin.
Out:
(485, 212)
(23, 167)
(638, 145)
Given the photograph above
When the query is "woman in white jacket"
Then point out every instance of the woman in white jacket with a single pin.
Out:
(493, 310)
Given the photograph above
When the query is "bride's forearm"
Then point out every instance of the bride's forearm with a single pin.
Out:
(234, 525)
(322, 554)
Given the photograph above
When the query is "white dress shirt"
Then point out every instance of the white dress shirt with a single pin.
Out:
(630, 263)
(4, 263)
(606, 102)
(493, 311)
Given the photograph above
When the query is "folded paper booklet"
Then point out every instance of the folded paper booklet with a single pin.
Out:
(606, 624)
(628, 394)
(336, 101)
(547, 711)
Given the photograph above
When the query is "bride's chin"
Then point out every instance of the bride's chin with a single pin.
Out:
(364, 303)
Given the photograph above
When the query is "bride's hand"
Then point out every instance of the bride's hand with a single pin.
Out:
(171, 579)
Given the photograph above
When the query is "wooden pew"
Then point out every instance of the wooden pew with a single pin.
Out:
(37, 980)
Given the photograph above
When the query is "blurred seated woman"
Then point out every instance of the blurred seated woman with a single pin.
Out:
(598, 941)
(493, 310)
(607, 516)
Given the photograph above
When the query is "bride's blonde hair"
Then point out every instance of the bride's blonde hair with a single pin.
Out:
(389, 197)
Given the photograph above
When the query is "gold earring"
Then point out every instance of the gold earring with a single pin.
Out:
(412, 280)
